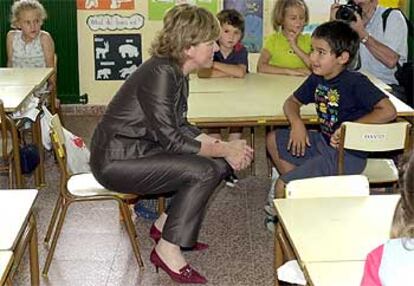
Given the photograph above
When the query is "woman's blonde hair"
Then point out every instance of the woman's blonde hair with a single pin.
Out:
(24, 5)
(279, 11)
(184, 26)
(403, 221)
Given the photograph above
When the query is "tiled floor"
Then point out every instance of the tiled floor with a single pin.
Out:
(94, 249)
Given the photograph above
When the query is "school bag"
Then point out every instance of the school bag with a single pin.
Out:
(404, 73)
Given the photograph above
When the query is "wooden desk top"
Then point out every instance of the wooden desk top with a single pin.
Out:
(15, 208)
(13, 97)
(339, 273)
(332, 229)
(6, 261)
(255, 100)
(24, 76)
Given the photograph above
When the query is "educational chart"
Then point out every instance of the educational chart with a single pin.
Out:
(105, 4)
(116, 56)
(157, 8)
(252, 10)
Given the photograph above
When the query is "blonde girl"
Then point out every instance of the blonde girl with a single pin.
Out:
(27, 45)
(286, 51)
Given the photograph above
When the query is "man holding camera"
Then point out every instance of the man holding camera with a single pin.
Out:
(380, 50)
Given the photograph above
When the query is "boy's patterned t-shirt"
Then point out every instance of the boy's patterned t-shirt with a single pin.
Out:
(347, 97)
(327, 108)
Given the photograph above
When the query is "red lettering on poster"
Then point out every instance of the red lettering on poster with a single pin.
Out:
(105, 4)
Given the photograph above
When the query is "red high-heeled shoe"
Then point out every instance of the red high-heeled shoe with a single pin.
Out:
(187, 273)
(155, 234)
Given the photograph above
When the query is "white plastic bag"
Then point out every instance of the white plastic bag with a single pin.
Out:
(291, 272)
(77, 153)
(28, 110)
(45, 128)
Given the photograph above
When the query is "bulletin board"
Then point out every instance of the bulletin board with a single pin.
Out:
(116, 55)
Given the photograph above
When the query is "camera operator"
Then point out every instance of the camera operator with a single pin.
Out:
(380, 50)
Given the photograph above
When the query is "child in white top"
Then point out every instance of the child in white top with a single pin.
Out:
(392, 263)
(27, 45)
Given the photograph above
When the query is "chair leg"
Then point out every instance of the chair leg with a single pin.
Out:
(121, 214)
(11, 185)
(52, 223)
(55, 237)
(268, 159)
(131, 232)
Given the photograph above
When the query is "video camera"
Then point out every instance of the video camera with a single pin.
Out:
(347, 11)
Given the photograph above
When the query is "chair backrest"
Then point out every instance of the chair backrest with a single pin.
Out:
(253, 58)
(58, 144)
(375, 137)
(372, 138)
(329, 186)
(53, 95)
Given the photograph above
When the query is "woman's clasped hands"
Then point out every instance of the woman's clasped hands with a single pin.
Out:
(239, 154)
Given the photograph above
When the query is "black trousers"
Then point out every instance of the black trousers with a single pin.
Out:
(193, 178)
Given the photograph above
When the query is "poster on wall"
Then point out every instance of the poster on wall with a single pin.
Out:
(252, 10)
(105, 4)
(157, 8)
(116, 56)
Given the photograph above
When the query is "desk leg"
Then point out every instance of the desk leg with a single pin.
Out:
(278, 255)
(16, 154)
(40, 170)
(253, 165)
(34, 257)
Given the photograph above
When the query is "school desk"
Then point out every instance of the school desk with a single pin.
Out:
(336, 229)
(338, 273)
(14, 98)
(24, 76)
(254, 100)
(18, 227)
(6, 260)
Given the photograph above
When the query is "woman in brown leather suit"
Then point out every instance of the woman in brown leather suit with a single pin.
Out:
(145, 145)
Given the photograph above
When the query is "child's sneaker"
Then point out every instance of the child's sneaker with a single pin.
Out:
(231, 180)
(270, 210)
(270, 222)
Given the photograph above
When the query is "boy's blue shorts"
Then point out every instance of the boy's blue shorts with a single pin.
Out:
(320, 159)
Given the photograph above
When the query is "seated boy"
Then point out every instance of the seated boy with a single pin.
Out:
(339, 95)
(231, 58)
(229, 61)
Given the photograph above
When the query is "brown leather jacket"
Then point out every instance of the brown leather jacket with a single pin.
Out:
(147, 116)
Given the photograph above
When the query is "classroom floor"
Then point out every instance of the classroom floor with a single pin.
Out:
(94, 249)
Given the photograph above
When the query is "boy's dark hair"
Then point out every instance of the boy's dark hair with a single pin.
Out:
(231, 17)
(340, 37)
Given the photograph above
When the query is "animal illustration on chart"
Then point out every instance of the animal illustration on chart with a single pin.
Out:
(128, 50)
(89, 4)
(125, 72)
(115, 4)
(101, 52)
(103, 73)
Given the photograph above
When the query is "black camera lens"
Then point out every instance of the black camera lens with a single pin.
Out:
(347, 12)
